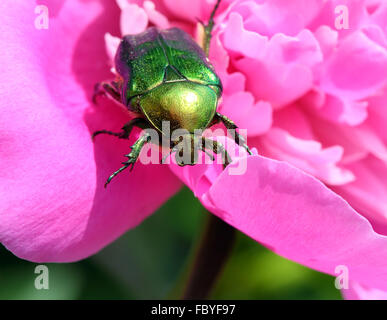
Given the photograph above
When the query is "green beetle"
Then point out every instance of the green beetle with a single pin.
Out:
(164, 75)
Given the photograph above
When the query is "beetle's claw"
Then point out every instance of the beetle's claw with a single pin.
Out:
(107, 182)
(248, 149)
(112, 176)
(130, 162)
(240, 140)
(244, 145)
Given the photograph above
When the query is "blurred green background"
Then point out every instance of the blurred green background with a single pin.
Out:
(149, 262)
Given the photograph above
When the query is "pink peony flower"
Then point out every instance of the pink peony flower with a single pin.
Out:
(311, 94)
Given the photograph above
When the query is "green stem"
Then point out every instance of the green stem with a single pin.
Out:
(214, 248)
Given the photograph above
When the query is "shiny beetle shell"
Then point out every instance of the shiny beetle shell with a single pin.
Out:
(166, 76)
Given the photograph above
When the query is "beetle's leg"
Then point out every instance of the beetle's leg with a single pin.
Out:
(126, 129)
(229, 124)
(132, 156)
(208, 29)
(208, 154)
(106, 88)
(172, 150)
(217, 148)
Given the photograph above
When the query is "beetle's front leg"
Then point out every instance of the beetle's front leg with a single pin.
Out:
(229, 124)
(218, 148)
(106, 88)
(132, 156)
(126, 129)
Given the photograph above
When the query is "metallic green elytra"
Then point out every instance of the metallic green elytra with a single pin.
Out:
(164, 75)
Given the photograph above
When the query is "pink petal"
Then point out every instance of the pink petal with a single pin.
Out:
(237, 38)
(233, 82)
(366, 137)
(330, 133)
(377, 116)
(256, 118)
(111, 44)
(278, 16)
(357, 139)
(299, 218)
(308, 155)
(327, 39)
(329, 15)
(356, 291)
(293, 58)
(380, 16)
(356, 55)
(341, 110)
(368, 193)
(133, 19)
(154, 16)
(54, 206)
(190, 10)
(218, 55)
(295, 121)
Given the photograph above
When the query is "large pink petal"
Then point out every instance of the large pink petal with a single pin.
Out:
(53, 204)
(368, 193)
(356, 291)
(297, 217)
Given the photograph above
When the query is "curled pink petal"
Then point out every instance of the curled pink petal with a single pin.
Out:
(368, 59)
(279, 16)
(291, 57)
(256, 118)
(112, 44)
(344, 111)
(54, 206)
(248, 43)
(307, 155)
(300, 219)
(156, 17)
(134, 19)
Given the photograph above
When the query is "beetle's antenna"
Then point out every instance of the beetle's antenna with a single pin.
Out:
(208, 29)
(213, 12)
